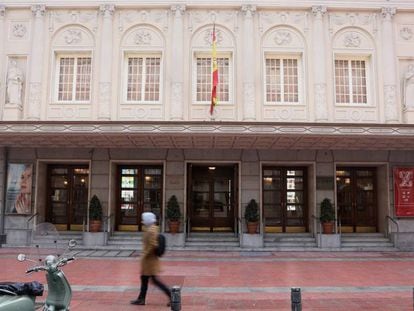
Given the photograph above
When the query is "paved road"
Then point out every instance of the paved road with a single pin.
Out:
(239, 281)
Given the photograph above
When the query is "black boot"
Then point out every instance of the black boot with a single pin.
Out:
(138, 301)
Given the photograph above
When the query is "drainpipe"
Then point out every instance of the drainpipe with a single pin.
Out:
(3, 199)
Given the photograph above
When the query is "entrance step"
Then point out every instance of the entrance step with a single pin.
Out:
(366, 242)
(290, 242)
(57, 240)
(212, 241)
(125, 240)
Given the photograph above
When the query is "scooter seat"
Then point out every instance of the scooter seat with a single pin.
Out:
(15, 288)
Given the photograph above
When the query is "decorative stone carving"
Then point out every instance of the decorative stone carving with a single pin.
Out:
(34, 99)
(248, 10)
(388, 13)
(408, 87)
(73, 36)
(339, 21)
(104, 100)
(208, 37)
(268, 20)
(15, 79)
(88, 19)
(143, 37)
(178, 9)
(107, 10)
(2, 10)
(228, 18)
(19, 30)
(390, 102)
(38, 10)
(352, 39)
(249, 101)
(319, 11)
(406, 33)
(283, 37)
(158, 18)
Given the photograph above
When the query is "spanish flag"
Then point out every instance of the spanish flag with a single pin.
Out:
(214, 99)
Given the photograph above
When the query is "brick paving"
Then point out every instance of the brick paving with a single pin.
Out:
(238, 280)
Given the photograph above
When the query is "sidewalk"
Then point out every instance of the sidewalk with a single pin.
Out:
(240, 280)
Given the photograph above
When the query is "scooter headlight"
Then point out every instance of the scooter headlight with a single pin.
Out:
(50, 260)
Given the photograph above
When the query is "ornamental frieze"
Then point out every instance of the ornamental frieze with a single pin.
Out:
(338, 21)
(88, 19)
(157, 18)
(198, 18)
(268, 20)
(406, 33)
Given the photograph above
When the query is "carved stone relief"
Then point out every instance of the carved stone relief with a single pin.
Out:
(144, 36)
(75, 36)
(34, 100)
(208, 37)
(407, 32)
(390, 103)
(339, 21)
(18, 31)
(198, 18)
(87, 18)
(15, 82)
(320, 101)
(104, 100)
(408, 87)
(283, 37)
(268, 20)
(352, 39)
(203, 38)
(157, 18)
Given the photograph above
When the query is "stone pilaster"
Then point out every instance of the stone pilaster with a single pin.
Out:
(319, 67)
(36, 63)
(389, 66)
(177, 64)
(106, 61)
(2, 67)
(249, 89)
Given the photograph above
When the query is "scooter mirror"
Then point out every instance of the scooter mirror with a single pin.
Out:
(72, 243)
(21, 257)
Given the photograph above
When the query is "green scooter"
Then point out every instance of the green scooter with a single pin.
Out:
(22, 296)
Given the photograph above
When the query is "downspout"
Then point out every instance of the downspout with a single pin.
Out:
(3, 199)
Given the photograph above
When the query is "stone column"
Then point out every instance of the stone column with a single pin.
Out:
(319, 67)
(105, 64)
(177, 63)
(2, 66)
(249, 57)
(36, 63)
(389, 66)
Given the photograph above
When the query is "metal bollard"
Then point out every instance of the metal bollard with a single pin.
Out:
(296, 299)
(175, 298)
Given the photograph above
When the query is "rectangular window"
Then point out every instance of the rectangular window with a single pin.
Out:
(74, 79)
(204, 79)
(143, 83)
(282, 80)
(350, 81)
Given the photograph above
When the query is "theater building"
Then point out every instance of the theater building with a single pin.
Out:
(113, 99)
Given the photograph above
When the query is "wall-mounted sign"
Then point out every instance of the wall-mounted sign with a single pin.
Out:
(404, 191)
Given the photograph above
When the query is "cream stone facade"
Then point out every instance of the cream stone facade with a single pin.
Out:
(315, 94)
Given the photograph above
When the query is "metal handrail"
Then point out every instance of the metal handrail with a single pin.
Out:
(398, 230)
(187, 230)
(27, 227)
(105, 222)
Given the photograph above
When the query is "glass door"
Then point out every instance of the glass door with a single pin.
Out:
(68, 187)
(356, 199)
(140, 190)
(212, 198)
(284, 199)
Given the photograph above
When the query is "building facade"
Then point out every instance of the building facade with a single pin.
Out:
(113, 99)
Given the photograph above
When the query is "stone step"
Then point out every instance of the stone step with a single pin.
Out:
(367, 244)
(212, 244)
(364, 239)
(291, 244)
(289, 239)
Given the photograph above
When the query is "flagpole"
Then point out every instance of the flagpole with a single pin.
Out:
(214, 74)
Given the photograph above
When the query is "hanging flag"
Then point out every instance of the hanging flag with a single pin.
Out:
(214, 99)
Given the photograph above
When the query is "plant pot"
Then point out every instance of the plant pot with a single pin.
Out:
(95, 226)
(174, 226)
(252, 227)
(327, 227)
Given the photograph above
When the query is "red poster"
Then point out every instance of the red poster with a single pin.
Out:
(404, 191)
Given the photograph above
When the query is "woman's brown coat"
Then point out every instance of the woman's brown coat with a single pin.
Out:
(150, 263)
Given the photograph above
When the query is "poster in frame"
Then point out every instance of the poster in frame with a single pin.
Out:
(404, 191)
(19, 189)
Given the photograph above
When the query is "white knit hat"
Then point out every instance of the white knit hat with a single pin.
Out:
(148, 218)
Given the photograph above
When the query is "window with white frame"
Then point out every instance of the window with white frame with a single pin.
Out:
(282, 79)
(74, 78)
(204, 69)
(143, 78)
(351, 81)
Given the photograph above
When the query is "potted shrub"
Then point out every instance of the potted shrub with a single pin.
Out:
(251, 214)
(173, 214)
(95, 214)
(327, 216)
